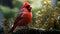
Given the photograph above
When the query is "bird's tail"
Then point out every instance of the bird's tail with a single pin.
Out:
(13, 28)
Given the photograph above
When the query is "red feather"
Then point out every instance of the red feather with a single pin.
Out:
(23, 18)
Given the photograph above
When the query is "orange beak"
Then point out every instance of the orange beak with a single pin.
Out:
(30, 7)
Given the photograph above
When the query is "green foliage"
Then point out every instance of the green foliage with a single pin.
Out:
(18, 3)
(46, 11)
(7, 12)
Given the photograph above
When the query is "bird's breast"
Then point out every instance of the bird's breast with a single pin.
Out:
(27, 19)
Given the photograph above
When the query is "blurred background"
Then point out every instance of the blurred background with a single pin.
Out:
(46, 14)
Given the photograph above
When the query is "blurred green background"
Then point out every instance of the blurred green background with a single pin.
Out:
(46, 14)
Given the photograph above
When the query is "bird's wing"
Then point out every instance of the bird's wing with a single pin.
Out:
(20, 17)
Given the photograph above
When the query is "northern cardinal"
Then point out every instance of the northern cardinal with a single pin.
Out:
(24, 17)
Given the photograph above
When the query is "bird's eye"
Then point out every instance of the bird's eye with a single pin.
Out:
(28, 6)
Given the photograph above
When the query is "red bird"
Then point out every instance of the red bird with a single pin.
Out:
(24, 17)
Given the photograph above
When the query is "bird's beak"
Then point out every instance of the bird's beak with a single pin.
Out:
(30, 7)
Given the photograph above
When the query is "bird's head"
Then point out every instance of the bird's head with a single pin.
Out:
(27, 5)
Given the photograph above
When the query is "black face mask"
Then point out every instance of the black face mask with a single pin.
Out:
(28, 8)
